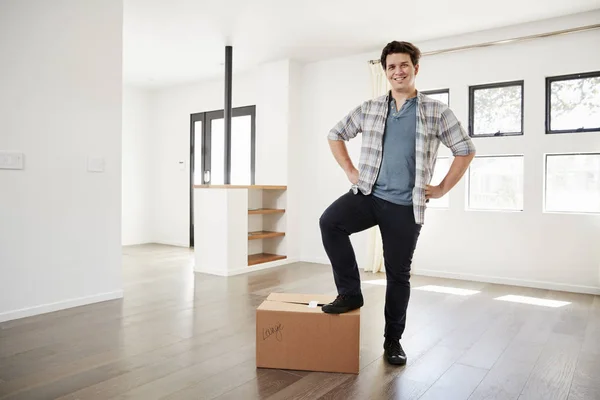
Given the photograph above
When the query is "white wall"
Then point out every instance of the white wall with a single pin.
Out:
(60, 102)
(530, 247)
(137, 167)
(267, 87)
(297, 167)
(330, 90)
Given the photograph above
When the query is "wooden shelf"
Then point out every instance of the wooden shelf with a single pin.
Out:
(261, 258)
(262, 187)
(264, 235)
(266, 211)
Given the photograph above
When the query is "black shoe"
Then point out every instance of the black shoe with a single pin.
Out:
(344, 303)
(394, 353)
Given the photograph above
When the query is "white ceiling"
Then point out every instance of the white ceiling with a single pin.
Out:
(170, 42)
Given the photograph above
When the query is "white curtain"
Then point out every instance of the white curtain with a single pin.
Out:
(379, 83)
(379, 86)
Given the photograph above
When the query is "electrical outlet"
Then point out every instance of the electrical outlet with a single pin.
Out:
(11, 160)
(96, 164)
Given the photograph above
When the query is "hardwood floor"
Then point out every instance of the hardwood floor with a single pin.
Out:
(177, 335)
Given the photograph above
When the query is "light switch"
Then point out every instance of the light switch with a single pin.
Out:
(96, 164)
(11, 160)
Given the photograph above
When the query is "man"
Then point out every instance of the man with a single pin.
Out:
(401, 133)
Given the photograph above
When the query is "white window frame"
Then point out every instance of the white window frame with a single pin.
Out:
(545, 180)
(468, 185)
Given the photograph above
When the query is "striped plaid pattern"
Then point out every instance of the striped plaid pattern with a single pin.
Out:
(435, 123)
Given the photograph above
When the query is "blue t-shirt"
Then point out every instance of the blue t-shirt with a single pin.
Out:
(396, 178)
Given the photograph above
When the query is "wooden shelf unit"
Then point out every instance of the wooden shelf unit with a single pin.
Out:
(239, 228)
(270, 204)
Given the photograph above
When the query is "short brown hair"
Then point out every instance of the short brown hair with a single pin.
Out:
(401, 47)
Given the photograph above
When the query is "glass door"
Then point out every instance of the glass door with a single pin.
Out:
(207, 151)
(215, 149)
(241, 171)
(197, 143)
(197, 159)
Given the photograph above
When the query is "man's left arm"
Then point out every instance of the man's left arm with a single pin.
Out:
(453, 136)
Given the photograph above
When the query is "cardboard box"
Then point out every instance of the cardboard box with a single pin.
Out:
(292, 332)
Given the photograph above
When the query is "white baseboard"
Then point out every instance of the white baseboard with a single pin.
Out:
(509, 281)
(246, 269)
(315, 260)
(126, 243)
(168, 243)
(60, 305)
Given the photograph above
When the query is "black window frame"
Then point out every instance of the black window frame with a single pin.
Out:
(495, 85)
(549, 81)
(438, 91)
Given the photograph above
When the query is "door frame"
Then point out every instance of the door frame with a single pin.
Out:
(205, 145)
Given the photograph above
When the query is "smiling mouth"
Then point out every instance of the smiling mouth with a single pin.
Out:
(400, 79)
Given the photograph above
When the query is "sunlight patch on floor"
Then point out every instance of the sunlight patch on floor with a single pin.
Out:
(380, 282)
(431, 288)
(533, 300)
(448, 290)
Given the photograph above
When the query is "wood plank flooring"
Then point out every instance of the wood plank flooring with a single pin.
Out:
(180, 335)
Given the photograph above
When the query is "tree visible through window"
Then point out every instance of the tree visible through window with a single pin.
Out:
(573, 103)
(496, 109)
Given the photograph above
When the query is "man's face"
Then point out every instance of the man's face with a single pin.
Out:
(401, 72)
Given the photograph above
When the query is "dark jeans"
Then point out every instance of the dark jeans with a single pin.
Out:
(353, 213)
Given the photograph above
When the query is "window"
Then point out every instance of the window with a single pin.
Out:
(496, 183)
(442, 166)
(572, 183)
(442, 95)
(573, 103)
(496, 109)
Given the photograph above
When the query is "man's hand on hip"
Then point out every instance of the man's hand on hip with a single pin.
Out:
(433, 192)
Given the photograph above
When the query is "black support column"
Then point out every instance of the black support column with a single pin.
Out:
(227, 113)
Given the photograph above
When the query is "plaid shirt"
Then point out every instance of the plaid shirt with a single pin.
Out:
(435, 123)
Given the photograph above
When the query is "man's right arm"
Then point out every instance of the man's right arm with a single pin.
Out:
(346, 129)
